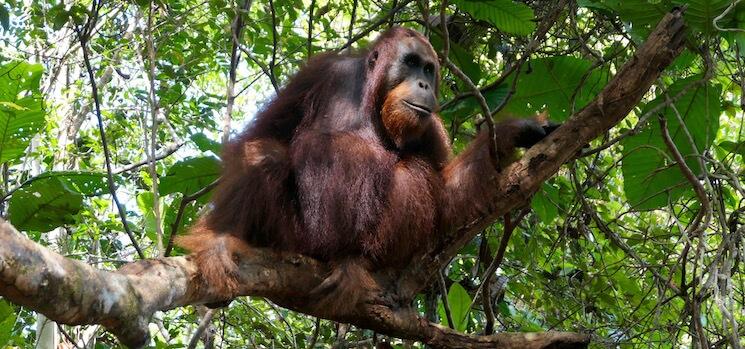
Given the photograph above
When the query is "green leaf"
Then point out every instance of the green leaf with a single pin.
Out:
(461, 57)
(557, 84)
(205, 144)
(733, 147)
(469, 106)
(740, 40)
(627, 285)
(82, 182)
(737, 37)
(642, 14)
(7, 321)
(651, 179)
(43, 205)
(145, 201)
(6, 310)
(21, 112)
(459, 301)
(59, 16)
(684, 61)
(13, 106)
(544, 203)
(700, 14)
(508, 16)
(5, 23)
(189, 216)
(50, 199)
(504, 308)
(189, 176)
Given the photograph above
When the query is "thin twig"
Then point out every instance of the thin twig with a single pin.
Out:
(83, 38)
(310, 28)
(67, 336)
(471, 86)
(185, 201)
(352, 19)
(698, 188)
(424, 10)
(374, 25)
(445, 302)
(284, 321)
(617, 240)
(165, 152)
(716, 20)
(538, 38)
(509, 227)
(274, 41)
(264, 68)
(484, 259)
(154, 109)
(316, 333)
(341, 334)
(742, 75)
(236, 30)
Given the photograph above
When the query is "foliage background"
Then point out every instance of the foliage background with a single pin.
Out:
(618, 244)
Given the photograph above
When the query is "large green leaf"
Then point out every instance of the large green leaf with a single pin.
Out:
(557, 84)
(459, 301)
(21, 113)
(506, 15)
(52, 199)
(700, 14)
(44, 205)
(651, 179)
(189, 176)
(83, 182)
(644, 14)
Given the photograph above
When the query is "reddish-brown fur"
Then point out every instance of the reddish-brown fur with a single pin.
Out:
(335, 168)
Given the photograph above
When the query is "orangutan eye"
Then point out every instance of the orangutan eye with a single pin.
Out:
(411, 60)
(429, 69)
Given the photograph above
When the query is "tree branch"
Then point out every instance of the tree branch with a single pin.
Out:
(74, 293)
(523, 178)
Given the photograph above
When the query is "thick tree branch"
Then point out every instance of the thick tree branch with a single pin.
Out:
(519, 181)
(71, 292)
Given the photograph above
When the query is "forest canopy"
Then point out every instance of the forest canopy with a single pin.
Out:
(113, 115)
